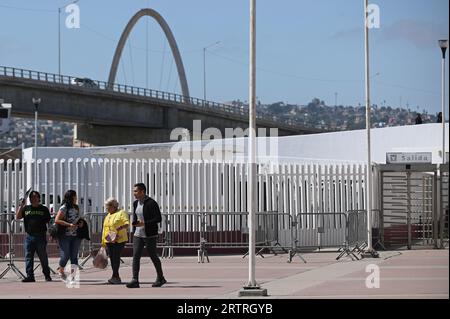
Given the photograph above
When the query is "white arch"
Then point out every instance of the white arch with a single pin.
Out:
(170, 38)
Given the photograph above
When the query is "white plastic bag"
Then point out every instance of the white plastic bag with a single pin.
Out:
(111, 237)
(101, 260)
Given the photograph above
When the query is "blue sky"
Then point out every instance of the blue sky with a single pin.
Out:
(305, 48)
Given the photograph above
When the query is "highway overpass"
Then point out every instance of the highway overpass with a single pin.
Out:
(113, 114)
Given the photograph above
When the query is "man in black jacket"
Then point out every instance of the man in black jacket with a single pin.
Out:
(146, 216)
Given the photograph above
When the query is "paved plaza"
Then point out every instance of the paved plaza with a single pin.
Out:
(419, 273)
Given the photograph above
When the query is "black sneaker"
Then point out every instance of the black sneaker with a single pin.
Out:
(159, 282)
(28, 279)
(115, 281)
(48, 278)
(133, 284)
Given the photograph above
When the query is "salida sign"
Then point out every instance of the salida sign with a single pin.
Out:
(408, 158)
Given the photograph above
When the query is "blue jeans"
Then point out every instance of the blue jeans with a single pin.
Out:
(38, 244)
(68, 249)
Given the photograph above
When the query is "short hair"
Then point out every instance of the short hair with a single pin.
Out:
(112, 202)
(32, 193)
(141, 187)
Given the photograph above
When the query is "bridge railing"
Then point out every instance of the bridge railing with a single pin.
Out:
(131, 90)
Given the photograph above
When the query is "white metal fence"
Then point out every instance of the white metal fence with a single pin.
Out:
(194, 186)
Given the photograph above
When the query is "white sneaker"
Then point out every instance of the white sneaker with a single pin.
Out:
(62, 275)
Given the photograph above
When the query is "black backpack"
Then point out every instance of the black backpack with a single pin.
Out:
(55, 230)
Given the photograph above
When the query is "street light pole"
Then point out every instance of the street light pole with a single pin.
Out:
(204, 74)
(36, 102)
(368, 126)
(59, 43)
(204, 68)
(252, 288)
(443, 44)
(252, 146)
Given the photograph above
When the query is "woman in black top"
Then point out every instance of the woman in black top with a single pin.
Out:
(69, 243)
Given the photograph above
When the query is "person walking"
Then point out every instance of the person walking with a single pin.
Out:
(419, 119)
(114, 236)
(146, 216)
(36, 217)
(68, 216)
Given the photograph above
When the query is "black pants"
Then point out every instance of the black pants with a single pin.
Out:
(114, 252)
(138, 246)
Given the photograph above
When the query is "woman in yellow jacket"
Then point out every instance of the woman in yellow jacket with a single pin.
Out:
(115, 235)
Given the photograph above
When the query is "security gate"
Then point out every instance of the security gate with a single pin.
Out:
(408, 204)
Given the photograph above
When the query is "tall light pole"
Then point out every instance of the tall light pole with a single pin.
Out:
(36, 102)
(252, 288)
(204, 67)
(443, 44)
(368, 125)
(59, 43)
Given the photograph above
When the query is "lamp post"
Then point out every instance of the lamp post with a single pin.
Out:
(204, 67)
(36, 102)
(369, 249)
(252, 288)
(59, 43)
(443, 44)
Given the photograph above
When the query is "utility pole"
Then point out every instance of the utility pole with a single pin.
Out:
(252, 288)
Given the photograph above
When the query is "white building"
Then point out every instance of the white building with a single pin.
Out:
(345, 146)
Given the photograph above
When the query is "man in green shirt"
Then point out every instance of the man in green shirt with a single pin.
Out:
(36, 218)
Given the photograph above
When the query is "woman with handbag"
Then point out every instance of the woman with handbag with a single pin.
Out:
(114, 236)
(68, 217)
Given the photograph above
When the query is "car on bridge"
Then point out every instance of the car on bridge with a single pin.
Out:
(85, 82)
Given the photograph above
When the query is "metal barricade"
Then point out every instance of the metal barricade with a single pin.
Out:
(207, 230)
(270, 225)
(12, 243)
(95, 227)
(228, 230)
(315, 231)
(4, 237)
(9, 219)
(202, 230)
(180, 230)
(357, 236)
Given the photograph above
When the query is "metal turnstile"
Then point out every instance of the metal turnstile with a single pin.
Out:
(408, 202)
